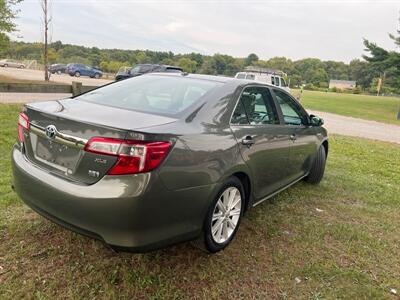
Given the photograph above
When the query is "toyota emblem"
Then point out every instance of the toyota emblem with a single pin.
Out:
(51, 131)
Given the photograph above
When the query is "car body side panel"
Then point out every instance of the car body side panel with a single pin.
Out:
(302, 150)
(266, 158)
(200, 159)
(132, 211)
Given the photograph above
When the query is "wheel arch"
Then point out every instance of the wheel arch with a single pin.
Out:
(325, 144)
(246, 182)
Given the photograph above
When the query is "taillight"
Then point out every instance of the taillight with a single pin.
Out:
(133, 156)
(23, 122)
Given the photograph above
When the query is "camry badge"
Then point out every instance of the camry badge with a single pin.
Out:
(51, 131)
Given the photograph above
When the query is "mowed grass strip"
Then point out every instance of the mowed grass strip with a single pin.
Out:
(381, 109)
(339, 239)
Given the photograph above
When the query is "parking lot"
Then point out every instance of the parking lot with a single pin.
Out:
(37, 75)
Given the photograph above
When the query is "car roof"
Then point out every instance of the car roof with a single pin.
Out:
(222, 79)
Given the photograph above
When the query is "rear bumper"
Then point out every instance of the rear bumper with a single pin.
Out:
(132, 212)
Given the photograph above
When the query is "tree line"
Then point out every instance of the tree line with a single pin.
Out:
(310, 71)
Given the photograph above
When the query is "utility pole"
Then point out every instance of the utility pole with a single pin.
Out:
(46, 22)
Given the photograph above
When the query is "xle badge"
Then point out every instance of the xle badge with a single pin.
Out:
(100, 161)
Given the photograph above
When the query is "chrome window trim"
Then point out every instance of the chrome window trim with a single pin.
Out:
(62, 138)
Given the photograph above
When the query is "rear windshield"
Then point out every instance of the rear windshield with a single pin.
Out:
(152, 93)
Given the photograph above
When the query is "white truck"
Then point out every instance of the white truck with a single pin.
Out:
(273, 77)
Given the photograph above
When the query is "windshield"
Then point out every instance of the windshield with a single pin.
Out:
(152, 94)
(135, 69)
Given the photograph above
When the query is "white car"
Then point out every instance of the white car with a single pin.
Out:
(11, 63)
(270, 78)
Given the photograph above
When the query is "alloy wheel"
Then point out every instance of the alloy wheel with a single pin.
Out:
(226, 215)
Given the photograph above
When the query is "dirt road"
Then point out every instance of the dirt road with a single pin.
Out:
(28, 74)
(29, 97)
(359, 127)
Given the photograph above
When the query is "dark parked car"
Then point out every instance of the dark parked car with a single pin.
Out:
(82, 70)
(163, 158)
(126, 72)
(57, 68)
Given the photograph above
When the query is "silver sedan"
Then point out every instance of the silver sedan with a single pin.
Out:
(11, 63)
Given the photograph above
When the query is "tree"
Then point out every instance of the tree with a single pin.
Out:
(7, 25)
(251, 59)
(385, 63)
(46, 22)
(187, 64)
(52, 56)
(360, 72)
(142, 58)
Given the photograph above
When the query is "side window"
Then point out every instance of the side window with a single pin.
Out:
(250, 76)
(255, 107)
(272, 80)
(292, 114)
(277, 81)
(283, 83)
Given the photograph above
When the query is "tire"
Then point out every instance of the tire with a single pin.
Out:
(77, 74)
(229, 220)
(5, 66)
(59, 72)
(318, 167)
(21, 67)
(97, 75)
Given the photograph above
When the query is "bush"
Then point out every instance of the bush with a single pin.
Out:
(310, 87)
(323, 85)
(357, 90)
(336, 90)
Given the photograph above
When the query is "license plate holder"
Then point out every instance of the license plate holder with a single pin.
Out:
(56, 153)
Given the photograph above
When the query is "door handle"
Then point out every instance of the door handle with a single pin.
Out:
(293, 137)
(248, 141)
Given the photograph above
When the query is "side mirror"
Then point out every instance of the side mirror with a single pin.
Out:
(316, 121)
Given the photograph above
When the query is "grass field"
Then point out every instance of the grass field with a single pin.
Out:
(381, 109)
(340, 239)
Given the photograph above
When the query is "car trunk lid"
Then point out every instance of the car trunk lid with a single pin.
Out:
(59, 131)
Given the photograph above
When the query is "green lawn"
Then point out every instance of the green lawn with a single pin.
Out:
(381, 109)
(340, 239)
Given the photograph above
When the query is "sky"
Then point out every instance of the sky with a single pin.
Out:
(329, 30)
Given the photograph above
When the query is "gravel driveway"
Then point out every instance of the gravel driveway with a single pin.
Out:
(359, 127)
